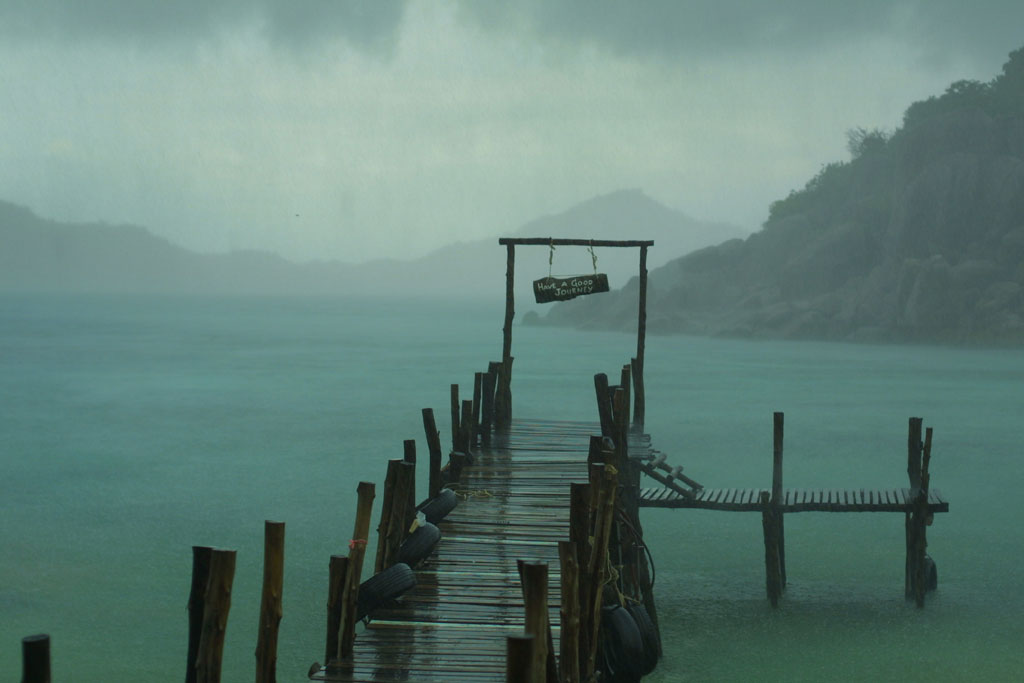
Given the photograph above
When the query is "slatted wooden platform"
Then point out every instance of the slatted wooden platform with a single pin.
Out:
(795, 500)
(452, 625)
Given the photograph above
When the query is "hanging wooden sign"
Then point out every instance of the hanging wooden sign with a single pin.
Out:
(548, 289)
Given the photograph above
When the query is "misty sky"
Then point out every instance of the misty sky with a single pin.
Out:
(331, 129)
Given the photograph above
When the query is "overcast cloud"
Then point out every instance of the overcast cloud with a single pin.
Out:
(328, 129)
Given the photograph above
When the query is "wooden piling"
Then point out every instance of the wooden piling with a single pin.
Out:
(434, 448)
(534, 579)
(35, 659)
(639, 401)
(773, 574)
(519, 659)
(409, 458)
(487, 403)
(504, 400)
(335, 590)
(196, 601)
(604, 409)
(569, 640)
(597, 562)
(357, 551)
(912, 523)
(456, 427)
(270, 605)
(478, 390)
(778, 423)
(385, 529)
(216, 606)
(468, 428)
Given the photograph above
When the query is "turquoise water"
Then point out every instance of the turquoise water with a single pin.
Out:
(131, 429)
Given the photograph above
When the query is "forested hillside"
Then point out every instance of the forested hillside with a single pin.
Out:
(918, 237)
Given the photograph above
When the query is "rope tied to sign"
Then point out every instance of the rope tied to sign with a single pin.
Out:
(551, 255)
(593, 256)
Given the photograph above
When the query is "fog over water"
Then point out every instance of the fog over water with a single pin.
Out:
(387, 129)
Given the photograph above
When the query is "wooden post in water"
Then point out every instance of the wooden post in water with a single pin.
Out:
(456, 427)
(597, 562)
(409, 458)
(35, 659)
(771, 521)
(270, 605)
(468, 428)
(357, 551)
(534, 579)
(434, 448)
(569, 656)
(385, 528)
(914, 447)
(639, 401)
(504, 401)
(519, 659)
(778, 422)
(216, 605)
(604, 409)
(200, 577)
(921, 519)
(335, 589)
(478, 391)
(487, 404)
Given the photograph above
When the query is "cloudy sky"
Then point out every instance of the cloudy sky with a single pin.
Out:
(333, 129)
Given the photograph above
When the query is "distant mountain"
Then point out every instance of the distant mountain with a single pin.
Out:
(920, 237)
(43, 255)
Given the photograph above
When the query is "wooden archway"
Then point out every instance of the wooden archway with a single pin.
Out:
(503, 407)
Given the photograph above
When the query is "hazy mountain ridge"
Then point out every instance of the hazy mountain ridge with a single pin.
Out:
(44, 255)
(920, 237)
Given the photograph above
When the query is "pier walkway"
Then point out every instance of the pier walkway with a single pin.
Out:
(514, 505)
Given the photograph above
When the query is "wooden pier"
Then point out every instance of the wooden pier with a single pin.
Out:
(514, 506)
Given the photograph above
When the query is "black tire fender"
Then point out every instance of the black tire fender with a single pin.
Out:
(382, 588)
(419, 544)
(621, 644)
(438, 507)
(648, 635)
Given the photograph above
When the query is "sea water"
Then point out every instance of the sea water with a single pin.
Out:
(132, 428)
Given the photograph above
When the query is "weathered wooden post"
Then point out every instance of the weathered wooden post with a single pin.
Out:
(270, 605)
(409, 458)
(519, 659)
(778, 421)
(434, 448)
(357, 551)
(478, 391)
(604, 408)
(487, 405)
(534, 579)
(200, 577)
(503, 404)
(35, 659)
(335, 589)
(914, 447)
(385, 528)
(639, 400)
(468, 428)
(918, 461)
(456, 427)
(597, 562)
(216, 606)
(569, 655)
(771, 521)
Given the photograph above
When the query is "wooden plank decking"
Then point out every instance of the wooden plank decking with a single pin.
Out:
(795, 500)
(514, 504)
